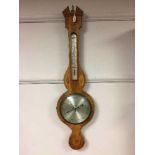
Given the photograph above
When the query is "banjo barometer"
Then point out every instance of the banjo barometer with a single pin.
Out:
(75, 107)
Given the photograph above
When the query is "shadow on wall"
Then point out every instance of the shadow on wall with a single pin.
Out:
(122, 45)
(81, 45)
(117, 52)
(121, 51)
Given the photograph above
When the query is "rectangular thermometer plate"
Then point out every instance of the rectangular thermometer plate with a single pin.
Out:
(74, 57)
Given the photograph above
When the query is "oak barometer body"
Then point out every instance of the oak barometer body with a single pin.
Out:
(75, 107)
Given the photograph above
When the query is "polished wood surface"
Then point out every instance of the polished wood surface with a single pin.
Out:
(73, 27)
(76, 140)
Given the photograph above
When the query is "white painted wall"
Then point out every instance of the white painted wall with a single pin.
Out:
(97, 8)
(106, 52)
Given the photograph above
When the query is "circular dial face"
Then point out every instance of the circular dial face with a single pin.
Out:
(75, 108)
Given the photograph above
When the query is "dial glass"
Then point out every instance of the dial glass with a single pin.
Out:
(75, 108)
(74, 57)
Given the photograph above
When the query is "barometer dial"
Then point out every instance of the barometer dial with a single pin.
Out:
(75, 108)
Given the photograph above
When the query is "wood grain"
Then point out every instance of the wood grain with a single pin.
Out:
(76, 140)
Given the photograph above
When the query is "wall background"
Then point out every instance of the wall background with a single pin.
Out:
(107, 58)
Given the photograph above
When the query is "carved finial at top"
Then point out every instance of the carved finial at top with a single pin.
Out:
(66, 12)
(73, 16)
(73, 11)
(79, 11)
(73, 7)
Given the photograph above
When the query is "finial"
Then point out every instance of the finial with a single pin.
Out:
(72, 7)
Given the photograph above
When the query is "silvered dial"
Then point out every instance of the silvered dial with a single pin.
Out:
(75, 108)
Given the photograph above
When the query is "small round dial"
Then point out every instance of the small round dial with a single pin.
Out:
(75, 108)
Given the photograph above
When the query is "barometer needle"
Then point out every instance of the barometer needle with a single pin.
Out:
(71, 110)
(75, 108)
(80, 106)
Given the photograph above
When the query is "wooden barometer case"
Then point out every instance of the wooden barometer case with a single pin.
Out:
(75, 107)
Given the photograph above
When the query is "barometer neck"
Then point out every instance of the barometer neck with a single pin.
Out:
(73, 19)
(74, 77)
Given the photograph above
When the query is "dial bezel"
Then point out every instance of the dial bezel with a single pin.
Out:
(90, 101)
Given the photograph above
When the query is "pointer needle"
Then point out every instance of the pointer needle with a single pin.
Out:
(70, 110)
